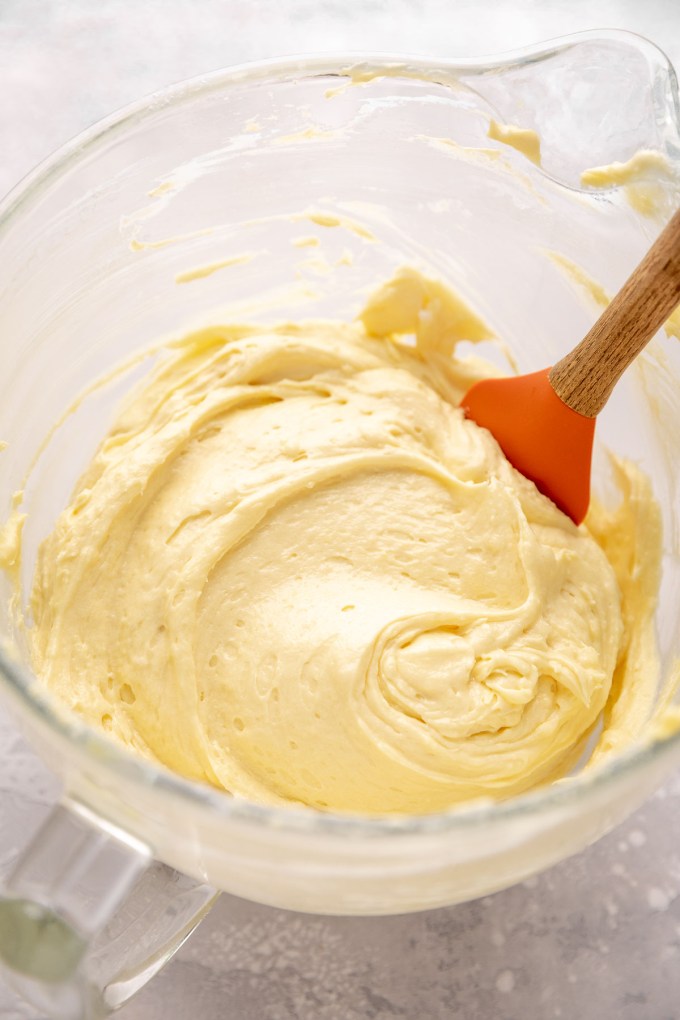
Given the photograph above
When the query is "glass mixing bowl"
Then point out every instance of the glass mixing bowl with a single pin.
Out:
(99, 249)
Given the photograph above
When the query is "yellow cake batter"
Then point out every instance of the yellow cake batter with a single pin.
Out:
(295, 570)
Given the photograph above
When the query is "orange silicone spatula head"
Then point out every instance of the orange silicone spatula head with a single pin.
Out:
(539, 434)
(545, 422)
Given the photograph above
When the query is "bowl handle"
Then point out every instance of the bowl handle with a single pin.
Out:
(87, 916)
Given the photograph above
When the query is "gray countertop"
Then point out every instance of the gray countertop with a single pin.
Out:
(597, 936)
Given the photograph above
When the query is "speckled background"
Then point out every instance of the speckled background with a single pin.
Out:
(595, 938)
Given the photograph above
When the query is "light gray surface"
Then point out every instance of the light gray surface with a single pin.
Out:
(597, 936)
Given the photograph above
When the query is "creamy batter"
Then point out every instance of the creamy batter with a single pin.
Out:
(525, 140)
(648, 180)
(293, 569)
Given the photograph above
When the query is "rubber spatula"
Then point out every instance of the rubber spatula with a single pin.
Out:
(545, 422)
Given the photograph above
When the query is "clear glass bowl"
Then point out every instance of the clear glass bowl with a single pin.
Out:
(232, 164)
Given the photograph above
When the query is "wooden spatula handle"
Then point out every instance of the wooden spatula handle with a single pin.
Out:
(585, 378)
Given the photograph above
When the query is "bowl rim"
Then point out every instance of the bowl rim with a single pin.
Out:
(339, 64)
(24, 688)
